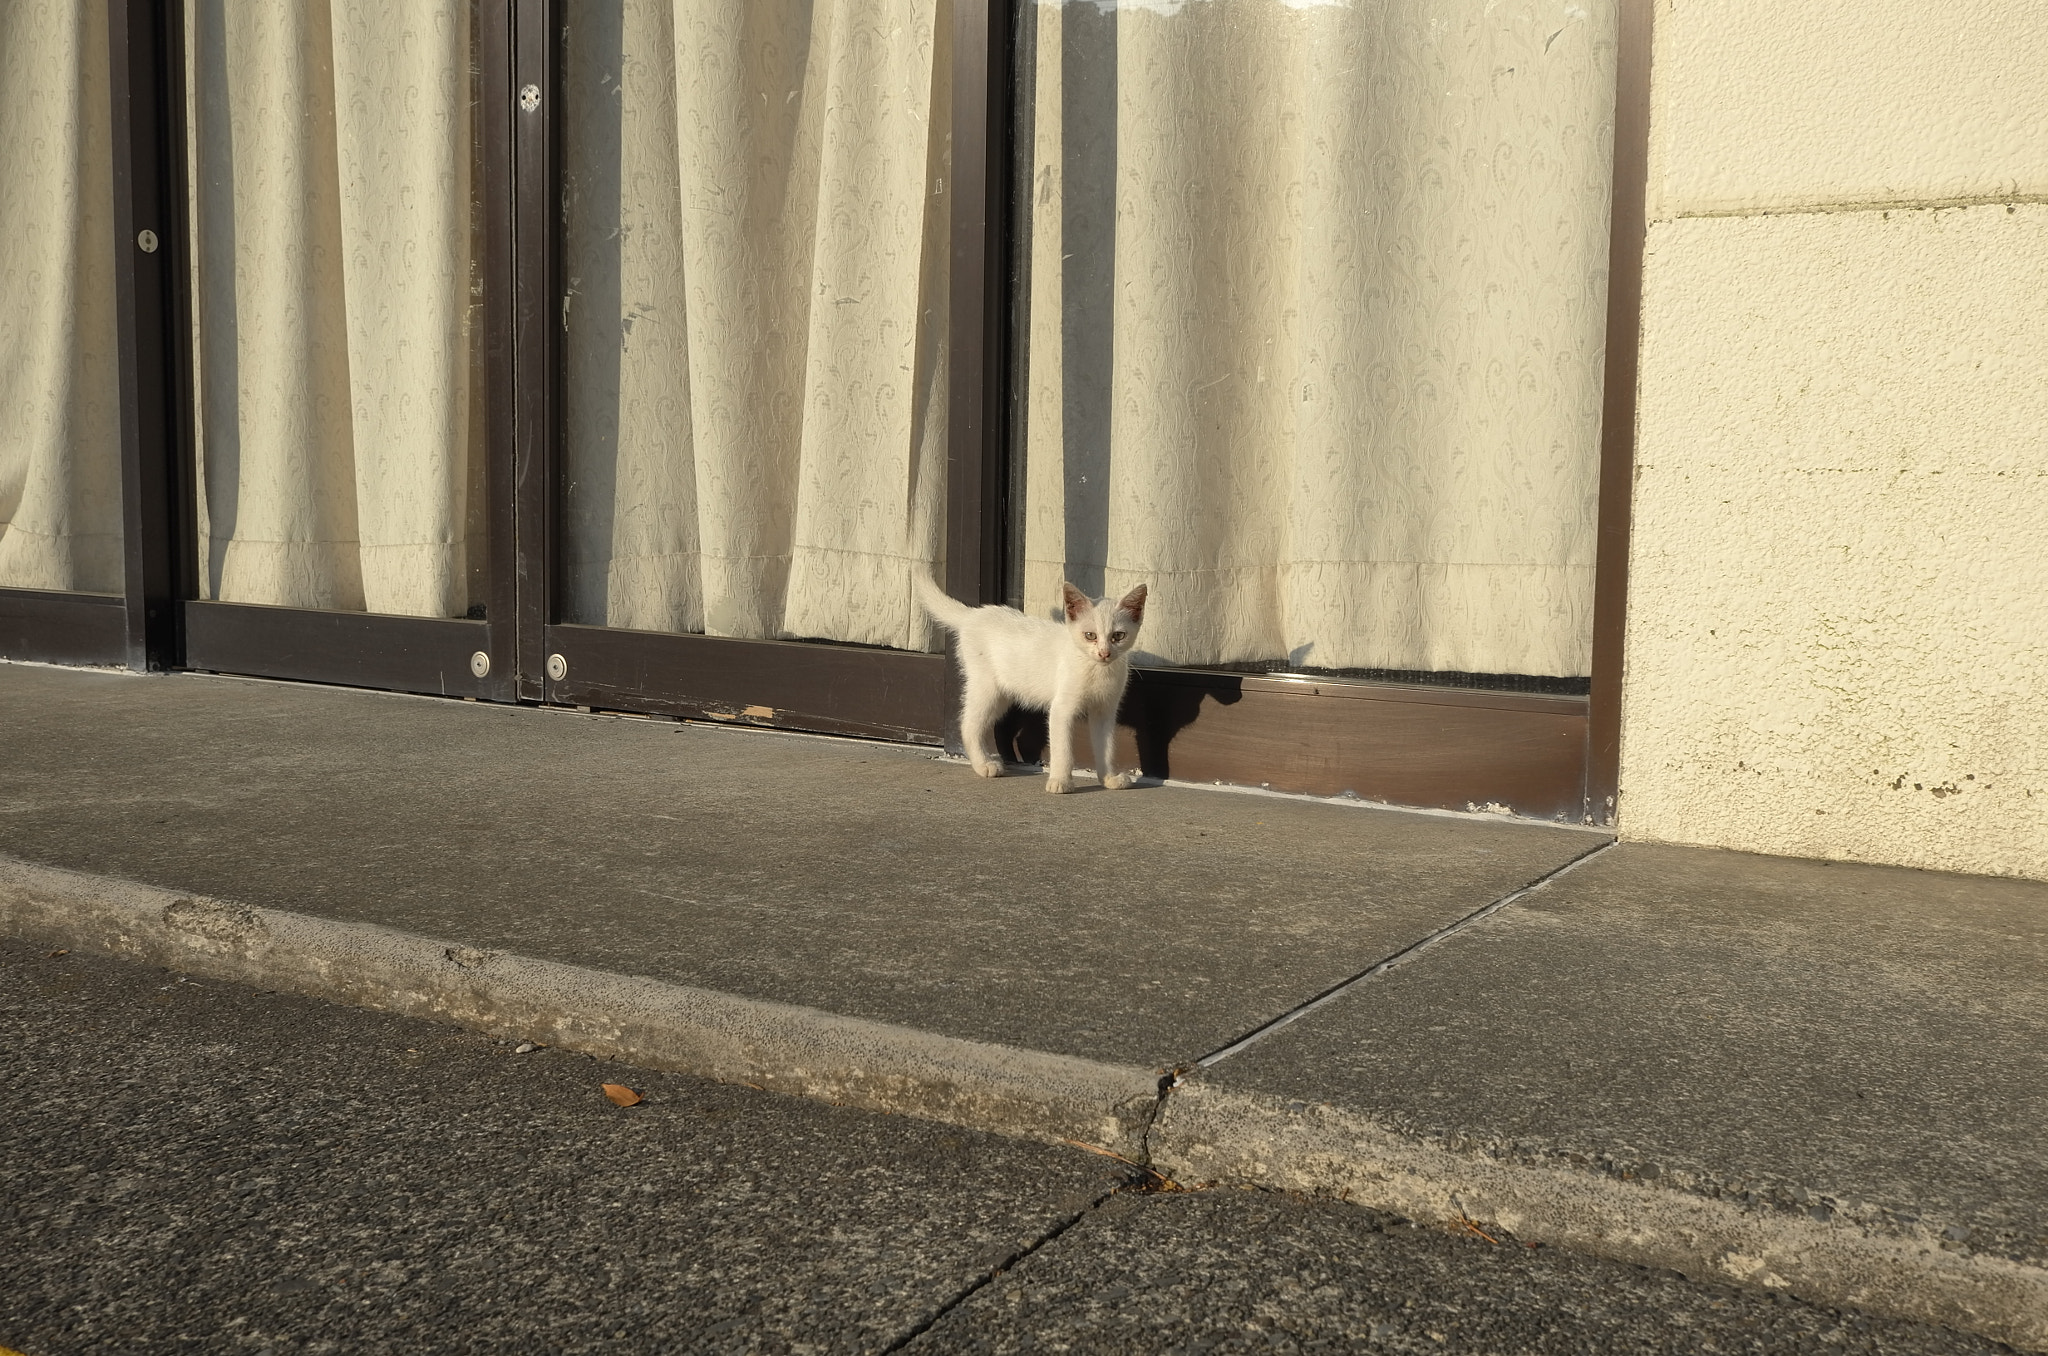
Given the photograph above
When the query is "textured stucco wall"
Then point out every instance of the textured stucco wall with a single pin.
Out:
(1838, 611)
(1763, 104)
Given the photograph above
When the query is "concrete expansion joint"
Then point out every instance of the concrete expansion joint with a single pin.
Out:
(1140, 1179)
(1401, 957)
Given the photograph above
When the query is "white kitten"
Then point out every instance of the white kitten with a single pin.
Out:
(1070, 672)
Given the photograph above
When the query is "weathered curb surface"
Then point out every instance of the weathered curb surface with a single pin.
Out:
(1207, 1133)
(646, 1022)
(1200, 1133)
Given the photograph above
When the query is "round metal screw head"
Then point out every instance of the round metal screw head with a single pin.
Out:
(480, 664)
(558, 667)
(146, 240)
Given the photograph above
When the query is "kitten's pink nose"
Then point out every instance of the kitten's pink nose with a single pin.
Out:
(1103, 655)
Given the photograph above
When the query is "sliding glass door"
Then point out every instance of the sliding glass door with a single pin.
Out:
(1314, 303)
(751, 447)
(342, 524)
(643, 354)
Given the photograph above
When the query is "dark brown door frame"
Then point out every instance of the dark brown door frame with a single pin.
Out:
(495, 114)
(146, 76)
(530, 203)
(978, 366)
(1627, 236)
(978, 428)
(166, 624)
(1244, 723)
(139, 626)
(1547, 757)
(48, 626)
(833, 688)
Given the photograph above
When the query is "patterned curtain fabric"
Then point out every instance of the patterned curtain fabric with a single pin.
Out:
(60, 452)
(755, 262)
(1317, 301)
(332, 176)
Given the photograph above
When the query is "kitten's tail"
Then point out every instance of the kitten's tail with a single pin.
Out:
(946, 610)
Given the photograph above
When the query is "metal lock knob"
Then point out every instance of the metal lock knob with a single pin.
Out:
(146, 240)
(480, 664)
(558, 667)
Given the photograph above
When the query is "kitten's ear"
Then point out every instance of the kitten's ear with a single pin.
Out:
(1134, 603)
(1076, 601)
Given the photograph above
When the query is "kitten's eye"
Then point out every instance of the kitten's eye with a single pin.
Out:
(1087, 635)
(1116, 637)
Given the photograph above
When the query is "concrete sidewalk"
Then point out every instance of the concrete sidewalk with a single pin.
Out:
(188, 1166)
(1830, 1079)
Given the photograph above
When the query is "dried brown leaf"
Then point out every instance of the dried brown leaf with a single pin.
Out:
(622, 1095)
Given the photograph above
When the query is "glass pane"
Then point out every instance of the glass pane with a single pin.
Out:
(755, 264)
(336, 315)
(60, 437)
(1316, 299)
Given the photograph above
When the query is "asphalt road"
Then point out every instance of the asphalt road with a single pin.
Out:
(195, 1167)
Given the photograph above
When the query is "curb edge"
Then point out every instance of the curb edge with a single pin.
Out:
(1210, 1133)
(649, 1022)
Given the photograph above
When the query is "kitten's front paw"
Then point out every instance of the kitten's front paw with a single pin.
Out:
(1117, 781)
(988, 769)
(1058, 785)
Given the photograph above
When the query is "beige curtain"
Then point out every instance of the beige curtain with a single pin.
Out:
(60, 457)
(1317, 302)
(332, 162)
(755, 265)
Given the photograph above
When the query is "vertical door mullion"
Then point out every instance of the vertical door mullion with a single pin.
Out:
(979, 327)
(536, 329)
(154, 334)
(1626, 236)
(495, 133)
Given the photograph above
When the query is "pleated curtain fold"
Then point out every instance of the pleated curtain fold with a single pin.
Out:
(332, 175)
(755, 255)
(60, 451)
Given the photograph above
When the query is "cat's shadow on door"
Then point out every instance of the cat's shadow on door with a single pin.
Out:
(1155, 711)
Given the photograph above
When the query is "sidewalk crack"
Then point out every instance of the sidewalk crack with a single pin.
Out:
(1168, 1081)
(1141, 1181)
(1374, 971)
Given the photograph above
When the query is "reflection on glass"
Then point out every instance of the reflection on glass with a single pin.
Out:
(1316, 301)
(332, 160)
(755, 264)
(60, 449)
